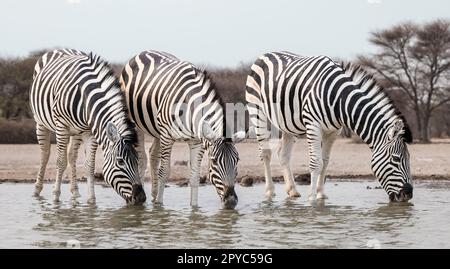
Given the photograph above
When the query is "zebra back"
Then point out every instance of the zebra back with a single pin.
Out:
(167, 96)
(81, 91)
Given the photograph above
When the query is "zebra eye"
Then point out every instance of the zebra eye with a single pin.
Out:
(395, 159)
(120, 162)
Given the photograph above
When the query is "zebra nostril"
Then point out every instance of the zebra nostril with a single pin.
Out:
(230, 203)
(138, 194)
(230, 198)
(407, 189)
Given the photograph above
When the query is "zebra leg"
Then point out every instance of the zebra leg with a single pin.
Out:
(265, 153)
(43, 138)
(90, 146)
(74, 146)
(196, 153)
(314, 137)
(164, 169)
(263, 135)
(155, 157)
(327, 143)
(62, 141)
(284, 154)
(141, 154)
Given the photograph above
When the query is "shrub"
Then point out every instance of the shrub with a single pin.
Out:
(17, 132)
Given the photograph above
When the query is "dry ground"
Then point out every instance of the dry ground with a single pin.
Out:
(348, 160)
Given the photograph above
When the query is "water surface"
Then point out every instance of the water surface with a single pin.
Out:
(356, 215)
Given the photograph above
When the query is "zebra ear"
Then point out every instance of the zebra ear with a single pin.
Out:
(396, 130)
(207, 132)
(111, 132)
(238, 136)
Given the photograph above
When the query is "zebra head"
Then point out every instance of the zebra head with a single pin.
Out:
(223, 159)
(121, 167)
(390, 163)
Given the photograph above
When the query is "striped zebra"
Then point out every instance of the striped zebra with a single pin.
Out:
(78, 97)
(317, 97)
(172, 100)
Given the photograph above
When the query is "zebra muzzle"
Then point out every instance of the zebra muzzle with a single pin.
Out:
(405, 194)
(138, 196)
(230, 198)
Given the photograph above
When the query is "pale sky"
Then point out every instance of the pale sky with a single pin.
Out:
(212, 32)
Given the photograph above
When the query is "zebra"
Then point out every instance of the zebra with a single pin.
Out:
(316, 97)
(173, 100)
(78, 97)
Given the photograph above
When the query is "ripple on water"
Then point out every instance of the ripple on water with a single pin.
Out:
(353, 217)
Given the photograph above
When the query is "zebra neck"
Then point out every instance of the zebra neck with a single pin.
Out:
(211, 121)
(208, 108)
(122, 125)
(217, 131)
(369, 115)
(106, 106)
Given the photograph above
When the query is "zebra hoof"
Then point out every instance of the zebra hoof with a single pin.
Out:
(270, 193)
(75, 193)
(293, 193)
(91, 201)
(321, 196)
(157, 201)
(56, 195)
(37, 189)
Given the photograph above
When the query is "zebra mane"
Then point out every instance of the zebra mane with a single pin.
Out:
(367, 81)
(111, 83)
(206, 77)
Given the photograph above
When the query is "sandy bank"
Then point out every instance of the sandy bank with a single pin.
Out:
(19, 163)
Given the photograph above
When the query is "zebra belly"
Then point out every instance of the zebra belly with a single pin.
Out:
(147, 129)
(289, 128)
(173, 136)
(285, 119)
(51, 126)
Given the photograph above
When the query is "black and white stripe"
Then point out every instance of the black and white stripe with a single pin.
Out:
(172, 100)
(77, 95)
(317, 97)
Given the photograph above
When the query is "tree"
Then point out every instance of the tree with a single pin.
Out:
(16, 76)
(414, 61)
(15, 80)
